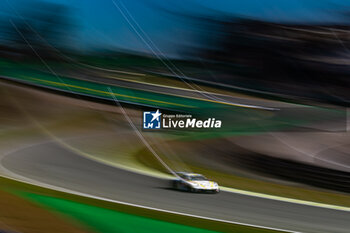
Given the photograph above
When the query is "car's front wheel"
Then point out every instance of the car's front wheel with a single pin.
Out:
(191, 189)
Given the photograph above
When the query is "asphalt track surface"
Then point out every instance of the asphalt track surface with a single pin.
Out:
(52, 164)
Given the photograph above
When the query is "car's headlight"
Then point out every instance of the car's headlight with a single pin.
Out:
(195, 185)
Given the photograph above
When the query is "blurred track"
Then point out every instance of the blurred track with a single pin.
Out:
(171, 97)
(194, 92)
(52, 164)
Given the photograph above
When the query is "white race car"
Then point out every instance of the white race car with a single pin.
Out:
(194, 183)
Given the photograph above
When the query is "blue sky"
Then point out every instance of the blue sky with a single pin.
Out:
(99, 23)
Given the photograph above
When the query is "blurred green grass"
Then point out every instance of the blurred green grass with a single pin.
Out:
(103, 215)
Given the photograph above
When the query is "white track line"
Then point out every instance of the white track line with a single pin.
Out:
(13, 176)
(160, 175)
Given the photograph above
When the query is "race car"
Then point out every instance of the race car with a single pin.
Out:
(193, 182)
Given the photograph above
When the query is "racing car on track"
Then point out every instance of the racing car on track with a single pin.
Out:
(193, 182)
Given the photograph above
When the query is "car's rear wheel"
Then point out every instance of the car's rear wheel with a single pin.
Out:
(174, 184)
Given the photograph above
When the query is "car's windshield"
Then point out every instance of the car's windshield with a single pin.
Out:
(196, 178)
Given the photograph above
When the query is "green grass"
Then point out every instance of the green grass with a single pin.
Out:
(107, 220)
(108, 217)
